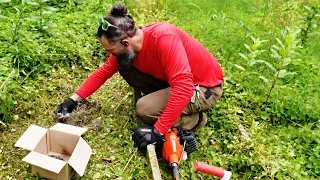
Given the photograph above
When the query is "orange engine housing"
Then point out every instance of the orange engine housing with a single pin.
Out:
(172, 149)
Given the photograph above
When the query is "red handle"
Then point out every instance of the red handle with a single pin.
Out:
(208, 169)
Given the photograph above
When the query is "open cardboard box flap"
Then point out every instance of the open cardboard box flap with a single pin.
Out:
(31, 137)
(69, 129)
(44, 161)
(80, 157)
(62, 139)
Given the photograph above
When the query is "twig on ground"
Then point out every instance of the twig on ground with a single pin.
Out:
(4, 83)
(130, 159)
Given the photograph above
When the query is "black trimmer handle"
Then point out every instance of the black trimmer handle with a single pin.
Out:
(175, 171)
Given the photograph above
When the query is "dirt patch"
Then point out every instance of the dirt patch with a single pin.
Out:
(84, 115)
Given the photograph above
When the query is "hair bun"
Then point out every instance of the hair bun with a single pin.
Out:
(119, 9)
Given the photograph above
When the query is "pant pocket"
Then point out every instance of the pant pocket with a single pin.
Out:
(209, 97)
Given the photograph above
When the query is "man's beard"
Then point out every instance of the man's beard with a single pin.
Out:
(125, 59)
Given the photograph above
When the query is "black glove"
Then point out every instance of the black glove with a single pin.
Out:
(145, 135)
(65, 108)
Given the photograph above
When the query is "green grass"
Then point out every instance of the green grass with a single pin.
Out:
(285, 133)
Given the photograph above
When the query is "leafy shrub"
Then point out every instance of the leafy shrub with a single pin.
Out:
(35, 38)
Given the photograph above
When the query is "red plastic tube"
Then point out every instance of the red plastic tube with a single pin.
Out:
(212, 170)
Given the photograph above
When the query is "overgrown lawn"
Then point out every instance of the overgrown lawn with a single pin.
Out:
(269, 51)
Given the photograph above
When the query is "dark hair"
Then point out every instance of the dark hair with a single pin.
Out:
(118, 16)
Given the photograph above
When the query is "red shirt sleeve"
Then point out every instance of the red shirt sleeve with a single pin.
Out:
(175, 63)
(96, 79)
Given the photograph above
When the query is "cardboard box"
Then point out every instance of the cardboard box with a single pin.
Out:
(56, 152)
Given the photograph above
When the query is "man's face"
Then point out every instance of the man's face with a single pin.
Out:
(124, 55)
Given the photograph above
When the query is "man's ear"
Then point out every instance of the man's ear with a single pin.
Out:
(125, 42)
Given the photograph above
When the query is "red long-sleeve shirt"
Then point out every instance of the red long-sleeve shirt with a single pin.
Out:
(171, 55)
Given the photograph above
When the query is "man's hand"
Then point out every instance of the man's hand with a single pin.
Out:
(65, 108)
(145, 135)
